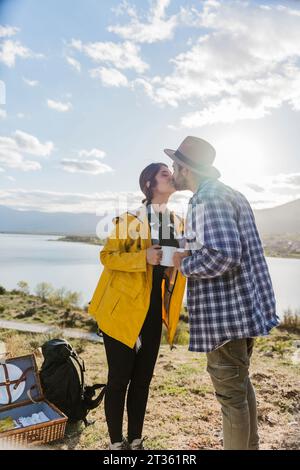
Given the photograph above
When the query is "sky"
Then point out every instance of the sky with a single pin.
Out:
(92, 91)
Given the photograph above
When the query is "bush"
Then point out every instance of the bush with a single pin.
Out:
(184, 318)
(181, 335)
(2, 290)
(65, 298)
(72, 298)
(44, 290)
(290, 321)
(24, 287)
(30, 312)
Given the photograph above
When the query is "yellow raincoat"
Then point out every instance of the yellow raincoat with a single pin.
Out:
(121, 299)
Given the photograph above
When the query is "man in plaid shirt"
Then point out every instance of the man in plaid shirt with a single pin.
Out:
(229, 294)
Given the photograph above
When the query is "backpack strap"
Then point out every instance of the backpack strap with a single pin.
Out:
(81, 366)
(93, 403)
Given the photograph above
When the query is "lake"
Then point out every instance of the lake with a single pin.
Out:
(76, 266)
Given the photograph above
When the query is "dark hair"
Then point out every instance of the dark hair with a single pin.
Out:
(148, 176)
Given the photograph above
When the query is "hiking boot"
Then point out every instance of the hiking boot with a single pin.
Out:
(137, 444)
(118, 445)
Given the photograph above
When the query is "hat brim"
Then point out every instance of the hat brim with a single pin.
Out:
(209, 171)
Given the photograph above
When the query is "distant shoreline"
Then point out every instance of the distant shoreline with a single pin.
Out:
(101, 242)
(282, 255)
(92, 240)
(82, 239)
(54, 234)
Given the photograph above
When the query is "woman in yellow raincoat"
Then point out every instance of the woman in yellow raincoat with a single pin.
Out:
(134, 295)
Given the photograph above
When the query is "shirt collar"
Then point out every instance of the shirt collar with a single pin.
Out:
(202, 185)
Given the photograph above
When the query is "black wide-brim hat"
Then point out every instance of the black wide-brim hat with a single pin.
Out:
(197, 155)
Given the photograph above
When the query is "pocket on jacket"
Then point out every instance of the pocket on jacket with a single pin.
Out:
(109, 302)
(114, 305)
(122, 285)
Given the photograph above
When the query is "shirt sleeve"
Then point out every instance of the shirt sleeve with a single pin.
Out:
(221, 250)
(115, 254)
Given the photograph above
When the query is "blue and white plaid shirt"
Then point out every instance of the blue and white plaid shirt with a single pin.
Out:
(229, 291)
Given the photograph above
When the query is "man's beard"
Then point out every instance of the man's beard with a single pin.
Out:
(181, 184)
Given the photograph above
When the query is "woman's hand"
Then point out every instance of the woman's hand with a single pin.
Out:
(154, 254)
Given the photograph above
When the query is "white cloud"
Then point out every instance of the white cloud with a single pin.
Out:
(255, 187)
(12, 158)
(30, 144)
(54, 201)
(87, 161)
(2, 92)
(262, 192)
(225, 111)
(31, 83)
(11, 178)
(99, 203)
(289, 181)
(121, 55)
(93, 167)
(12, 150)
(9, 50)
(111, 202)
(272, 190)
(109, 77)
(59, 106)
(2, 113)
(74, 63)
(244, 64)
(156, 26)
(94, 153)
(6, 31)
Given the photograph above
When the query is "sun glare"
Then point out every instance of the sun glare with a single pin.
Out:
(240, 160)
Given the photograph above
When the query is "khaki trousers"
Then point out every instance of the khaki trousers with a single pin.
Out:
(228, 367)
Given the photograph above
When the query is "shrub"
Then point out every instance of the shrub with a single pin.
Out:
(181, 335)
(24, 287)
(290, 321)
(14, 292)
(44, 290)
(2, 290)
(30, 312)
(72, 298)
(65, 298)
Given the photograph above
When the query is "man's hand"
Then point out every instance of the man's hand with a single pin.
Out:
(154, 255)
(178, 257)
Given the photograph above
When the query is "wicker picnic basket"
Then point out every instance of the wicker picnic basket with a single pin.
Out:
(22, 395)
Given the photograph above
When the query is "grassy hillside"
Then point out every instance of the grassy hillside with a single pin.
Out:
(56, 308)
(183, 412)
(282, 246)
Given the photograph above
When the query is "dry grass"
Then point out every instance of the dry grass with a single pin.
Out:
(182, 410)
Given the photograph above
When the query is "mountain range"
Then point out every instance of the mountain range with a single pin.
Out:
(280, 219)
(276, 220)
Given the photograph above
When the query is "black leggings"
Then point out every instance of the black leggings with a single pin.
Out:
(126, 367)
